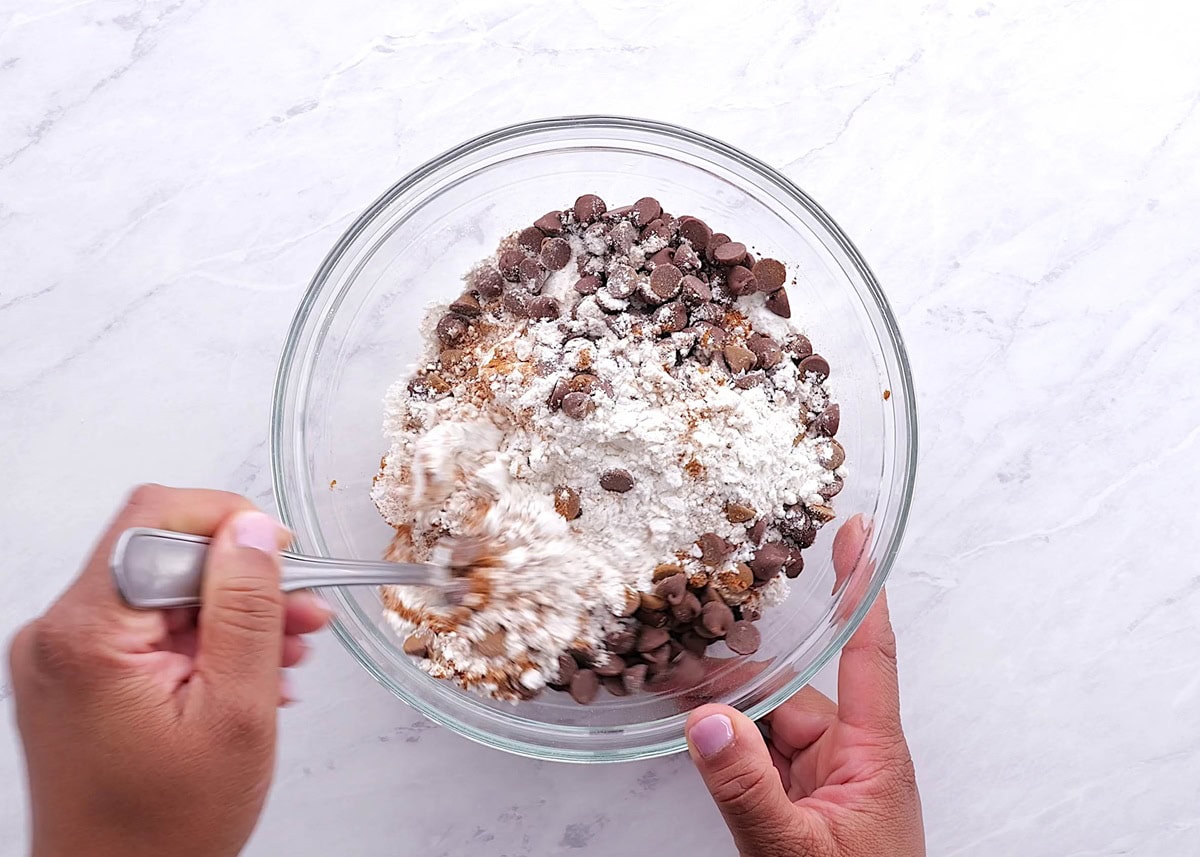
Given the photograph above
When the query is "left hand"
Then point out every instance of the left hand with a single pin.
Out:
(153, 732)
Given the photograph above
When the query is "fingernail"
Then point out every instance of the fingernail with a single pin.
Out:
(256, 530)
(287, 693)
(712, 735)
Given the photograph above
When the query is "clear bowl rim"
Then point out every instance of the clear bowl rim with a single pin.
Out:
(601, 122)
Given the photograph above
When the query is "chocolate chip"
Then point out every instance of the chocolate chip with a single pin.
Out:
(716, 617)
(832, 455)
(566, 669)
(493, 645)
(510, 264)
(797, 527)
(714, 549)
(686, 670)
(566, 502)
(711, 313)
(656, 227)
(672, 588)
(794, 564)
(744, 576)
(653, 602)
(714, 241)
(687, 609)
(694, 643)
(828, 421)
(488, 282)
(664, 570)
(738, 513)
(622, 237)
(622, 281)
(561, 387)
(777, 302)
(751, 612)
(415, 646)
(738, 359)
(530, 272)
(740, 282)
(585, 684)
(798, 347)
(660, 258)
(544, 308)
(729, 253)
(466, 306)
(435, 382)
(814, 365)
(530, 239)
(450, 329)
(516, 300)
(658, 656)
(821, 514)
(451, 357)
(710, 339)
(621, 641)
(695, 231)
(587, 285)
(756, 532)
(632, 602)
(588, 207)
(768, 560)
(616, 480)
(634, 678)
(743, 638)
(653, 618)
(671, 318)
(550, 222)
(664, 283)
(695, 291)
(831, 488)
(619, 211)
(645, 210)
(770, 273)
(555, 253)
(685, 258)
(753, 379)
(577, 406)
(766, 350)
(584, 382)
(650, 639)
(615, 665)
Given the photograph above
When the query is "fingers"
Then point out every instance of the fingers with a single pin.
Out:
(242, 617)
(740, 774)
(868, 685)
(179, 509)
(305, 613)
(799, 722)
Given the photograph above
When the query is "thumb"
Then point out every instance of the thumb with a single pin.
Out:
(241, 618)
(736, 766)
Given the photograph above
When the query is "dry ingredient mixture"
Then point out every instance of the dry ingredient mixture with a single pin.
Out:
(620, 441)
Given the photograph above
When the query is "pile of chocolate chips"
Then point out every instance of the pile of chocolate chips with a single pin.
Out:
(688, 290)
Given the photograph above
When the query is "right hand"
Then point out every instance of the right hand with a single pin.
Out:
(153, 732)
(836, 779)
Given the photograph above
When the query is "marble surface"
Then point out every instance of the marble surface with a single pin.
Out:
(1022, 176)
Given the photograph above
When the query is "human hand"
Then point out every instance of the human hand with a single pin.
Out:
(153, 732)
(836, 780)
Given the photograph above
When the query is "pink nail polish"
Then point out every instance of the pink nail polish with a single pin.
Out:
(256, 530)
(712, 735)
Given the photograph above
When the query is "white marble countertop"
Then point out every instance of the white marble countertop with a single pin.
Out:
(1022, 177)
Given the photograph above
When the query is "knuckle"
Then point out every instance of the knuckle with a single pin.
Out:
(149, 495)
(745, 794)
(248, 727)
(249, 601)
(52, 651)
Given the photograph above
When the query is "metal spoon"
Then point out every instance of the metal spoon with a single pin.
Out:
(155, 569)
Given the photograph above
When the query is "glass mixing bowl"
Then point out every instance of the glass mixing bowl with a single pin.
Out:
(356, 332)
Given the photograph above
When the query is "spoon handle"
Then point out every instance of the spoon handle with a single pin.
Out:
(155, 569)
